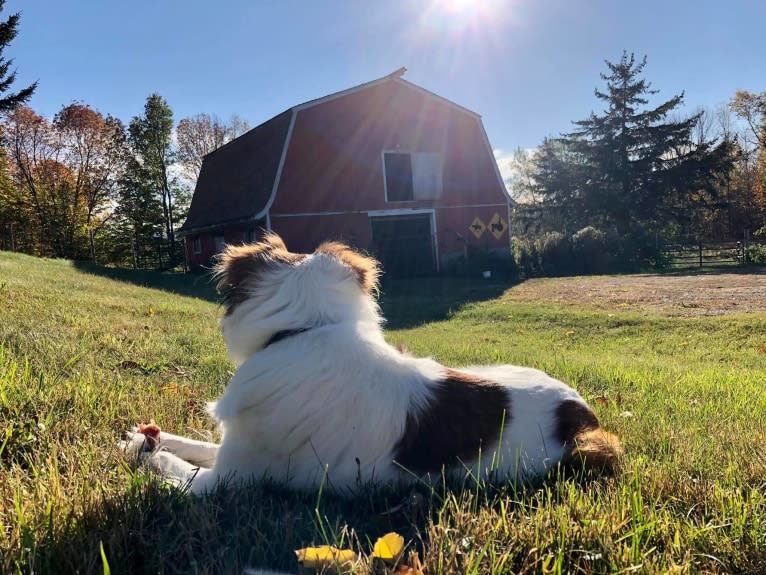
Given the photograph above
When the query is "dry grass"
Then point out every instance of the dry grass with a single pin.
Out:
(681, 295)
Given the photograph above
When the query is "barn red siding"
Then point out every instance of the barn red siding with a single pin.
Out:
(305, 233)
(334, 163)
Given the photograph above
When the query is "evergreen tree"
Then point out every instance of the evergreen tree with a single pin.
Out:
(11, 218)
(632, 170)
(152, 144)
(138, 221)
(8, 31)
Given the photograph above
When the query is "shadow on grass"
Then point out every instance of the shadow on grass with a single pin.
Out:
(192, 285)
(151, 528)
(405, 303)
(413, 302)
(154, 529)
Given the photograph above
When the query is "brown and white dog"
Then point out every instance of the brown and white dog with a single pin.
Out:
(319, 394)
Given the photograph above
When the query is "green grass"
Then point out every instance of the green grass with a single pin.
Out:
(86, 353)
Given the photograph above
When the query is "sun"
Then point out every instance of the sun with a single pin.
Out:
(463, 7)
(465, 19)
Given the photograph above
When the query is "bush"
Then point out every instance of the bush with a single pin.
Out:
(526, 257)
(590, 251)
(756, 254)
(555, 252)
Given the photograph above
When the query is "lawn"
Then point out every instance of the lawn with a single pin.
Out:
(86, 353)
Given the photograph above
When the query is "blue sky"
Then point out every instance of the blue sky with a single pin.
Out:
(528, 67)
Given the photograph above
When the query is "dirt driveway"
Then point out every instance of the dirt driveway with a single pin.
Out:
(692, 294)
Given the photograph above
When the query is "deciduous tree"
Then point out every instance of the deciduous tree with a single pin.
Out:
(94, 150)
(63, 174)
(201, 134)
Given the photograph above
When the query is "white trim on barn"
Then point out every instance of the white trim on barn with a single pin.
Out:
(336, 95)
(494, 164)
(399, 212)
(387, 212)
(393, 77)
(437, 97)
(265, 211)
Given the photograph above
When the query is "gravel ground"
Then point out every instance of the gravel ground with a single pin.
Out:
(693, 294)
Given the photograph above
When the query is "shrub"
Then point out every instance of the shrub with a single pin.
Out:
(555, 252)
(756, 254)
(526, 257)
(590, 251)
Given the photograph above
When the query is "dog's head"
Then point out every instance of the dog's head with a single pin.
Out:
(267, 289)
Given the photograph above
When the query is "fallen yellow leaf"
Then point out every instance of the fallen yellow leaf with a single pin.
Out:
(388, 547)
(324, 556)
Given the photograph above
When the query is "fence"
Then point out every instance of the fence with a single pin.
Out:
(710, 254)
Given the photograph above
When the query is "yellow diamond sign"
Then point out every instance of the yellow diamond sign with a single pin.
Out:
(477, 227)
(497, 226)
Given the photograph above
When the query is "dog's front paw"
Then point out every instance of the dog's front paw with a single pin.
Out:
(135, 443)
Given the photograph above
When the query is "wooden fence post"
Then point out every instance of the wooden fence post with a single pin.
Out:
(700, 252)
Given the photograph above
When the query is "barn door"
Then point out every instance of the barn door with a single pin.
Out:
(404, 245)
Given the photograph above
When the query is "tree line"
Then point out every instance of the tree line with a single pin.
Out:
(84, 186)
(636, 176)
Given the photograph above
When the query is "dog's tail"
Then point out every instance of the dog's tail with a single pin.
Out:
(594, 450)
(587, 447)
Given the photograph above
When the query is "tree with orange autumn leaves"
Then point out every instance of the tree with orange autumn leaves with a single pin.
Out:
(63, 174)
(83, 186)
(750, 107)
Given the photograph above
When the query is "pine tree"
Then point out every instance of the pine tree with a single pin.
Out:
(151, 141)
(632, 170)
(8, 31)
(11, 217)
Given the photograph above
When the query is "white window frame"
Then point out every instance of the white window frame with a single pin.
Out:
(222, 247)
(196, 245)
(412, 166)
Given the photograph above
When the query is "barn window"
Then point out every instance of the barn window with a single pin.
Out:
(398, 177)
(197, 245)
(219, 244)
(249, 235)
(409, 177)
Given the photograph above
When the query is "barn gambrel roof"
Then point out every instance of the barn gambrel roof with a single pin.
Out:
(238, 182)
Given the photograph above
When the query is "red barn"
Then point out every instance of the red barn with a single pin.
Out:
(386, 166)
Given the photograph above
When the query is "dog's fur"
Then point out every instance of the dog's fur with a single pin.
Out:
(319, 394)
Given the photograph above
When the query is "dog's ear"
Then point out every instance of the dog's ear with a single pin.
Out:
(272, 241)
(239, 266)
(365, 268)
